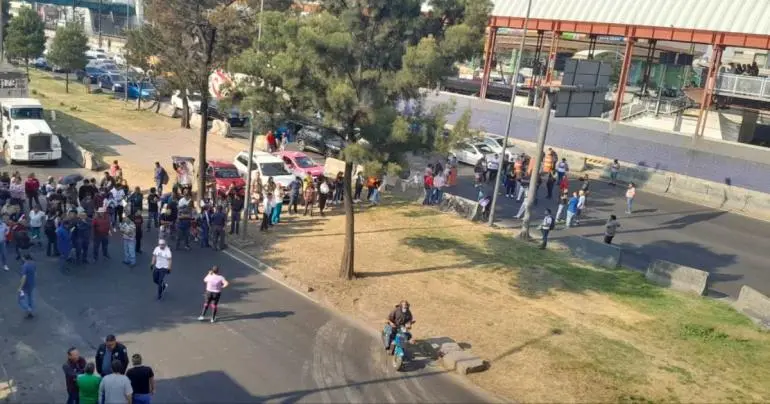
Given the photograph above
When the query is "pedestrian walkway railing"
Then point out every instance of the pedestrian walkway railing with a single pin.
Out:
(642, 106)
(741, 86)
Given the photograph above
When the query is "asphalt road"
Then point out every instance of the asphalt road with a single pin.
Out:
(732, 248)
(269, 345)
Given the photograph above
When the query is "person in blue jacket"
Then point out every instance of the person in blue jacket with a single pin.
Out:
(64, 242)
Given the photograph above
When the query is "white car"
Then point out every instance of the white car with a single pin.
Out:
(471, 152)
(495, 142)
(193, 100)
(266, 164)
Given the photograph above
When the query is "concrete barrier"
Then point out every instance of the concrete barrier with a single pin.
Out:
(79, 154)
(677, 277)
(169, 111)
(195, 120)
(460, 206)
(595, 252)
(754, 304)
(220, 128)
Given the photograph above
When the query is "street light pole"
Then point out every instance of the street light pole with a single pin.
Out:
(508, 123)
(535, 176)
(259, 31)
(100, 23)
(248, 176)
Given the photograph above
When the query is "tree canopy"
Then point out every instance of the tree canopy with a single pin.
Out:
(68, 49)
(25, 38)
(358, 62)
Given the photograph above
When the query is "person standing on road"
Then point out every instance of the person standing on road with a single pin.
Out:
(83, 239)
(549, 183)
(359, 187)
(610, 229)
(161, 266)
(4, 230)
(88, 385)
(562, 168)
(51, 249)
(204, 224)
(142, 381)
(64, 244)
(279, 195)
(267, 209)
(27, 286)
(108, 352)
(309, 199)
(510, 184)
(17, 193)
(138, 220)
(581, 205)
(128, 233)
(32, 190)
(218, 220)
(294, 191)
(73, 367)
(630, 195)
(572, 209)
(152, 209)
(563, 200)
(548, 224)
(214, 285)
(101, 233)
(135, 202)
(236, 210)
(115, 388)
(160, 177)
(493, 167)
(614, 170)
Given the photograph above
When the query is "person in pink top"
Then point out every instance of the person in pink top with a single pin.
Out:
(630, 195)
(214, 285)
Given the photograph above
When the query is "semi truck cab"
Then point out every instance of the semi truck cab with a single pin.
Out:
(25, 134)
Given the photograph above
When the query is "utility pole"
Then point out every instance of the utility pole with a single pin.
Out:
(247, 197)
(259, 31)
(535, 176)
(514, 84)
(2, 38)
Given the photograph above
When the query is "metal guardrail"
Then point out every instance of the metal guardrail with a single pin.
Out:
(743, 86)
(642, 106)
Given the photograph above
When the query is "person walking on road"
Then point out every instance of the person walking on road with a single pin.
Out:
(101, 228)
(614, 170)
(630, 195)
(73, 367)
(161, 266)
(142, 381)
(88, 385)
(218, 220)
(549, 223)
(161, 177)
(108, 353)
(36, 219)
(115, 388)
(83, 232)
(562, 168)
(64, 244)
(563, 200)
(572, 209)
(153, 201)
(215, 283)
(610, 229)
(581, 205)
(128, 233)
(27, 286)
(549, 183)
(267, 209)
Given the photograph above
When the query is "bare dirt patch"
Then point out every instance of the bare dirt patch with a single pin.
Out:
(554, 330)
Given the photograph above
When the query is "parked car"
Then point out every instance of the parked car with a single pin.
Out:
(495, 142)
(301, 164)
(148, 91)
(472, 152)
(266, 164)
(112, 81)
(224, 175)
(320, 140)
(41, 63)
(89, 74)
(233, 116)
(193, 100)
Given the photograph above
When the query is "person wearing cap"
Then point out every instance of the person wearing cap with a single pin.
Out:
(161, 266)
(101, 233)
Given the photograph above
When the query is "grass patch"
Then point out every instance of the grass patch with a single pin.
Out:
(620, 338)
(93, 120)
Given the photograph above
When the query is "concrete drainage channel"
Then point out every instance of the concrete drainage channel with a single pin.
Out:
(666, 274)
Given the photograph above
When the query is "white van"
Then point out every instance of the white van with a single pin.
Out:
(25, 134)
(266, 164)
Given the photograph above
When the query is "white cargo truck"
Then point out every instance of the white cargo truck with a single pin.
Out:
(25, 135)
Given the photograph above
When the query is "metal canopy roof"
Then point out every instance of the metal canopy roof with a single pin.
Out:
(743, 16)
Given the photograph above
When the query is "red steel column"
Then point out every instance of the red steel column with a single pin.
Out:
(489, 54)
(552, 55)
(623, 78)
(708, 89)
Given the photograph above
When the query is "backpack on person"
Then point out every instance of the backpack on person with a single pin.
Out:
(163, 176)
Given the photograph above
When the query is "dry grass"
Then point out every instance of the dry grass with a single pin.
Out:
(553, 329)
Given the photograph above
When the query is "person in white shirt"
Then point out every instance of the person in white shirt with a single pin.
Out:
(115, 388)
(36, 219)
(161, 266)
(562, 168)
(614, 170)
(493, 166)
(580, 206)
(267, 209)
(630, 195)
(438, 188)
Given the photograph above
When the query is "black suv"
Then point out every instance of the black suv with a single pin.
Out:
(320, 140)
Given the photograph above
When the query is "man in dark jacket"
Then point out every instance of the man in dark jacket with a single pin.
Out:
(74, 366)
(110, 350)
(400, 316)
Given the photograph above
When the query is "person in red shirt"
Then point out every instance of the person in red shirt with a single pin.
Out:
(101, 226)
(32, 189)
(271, 142)
(428, 184)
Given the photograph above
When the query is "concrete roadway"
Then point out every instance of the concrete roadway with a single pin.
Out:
(729, 246)
(270, 344)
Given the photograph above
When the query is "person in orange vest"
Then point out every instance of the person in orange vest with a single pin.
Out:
(517, 167)
(549, 161)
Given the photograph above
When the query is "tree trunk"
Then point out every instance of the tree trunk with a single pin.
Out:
(26, 65)
(185, 121)
(202, 143)
(66, 82)
(347, 266)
